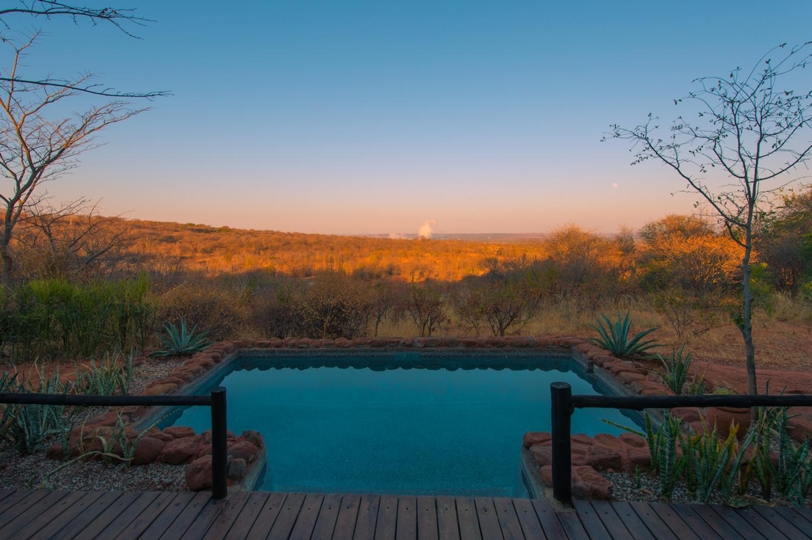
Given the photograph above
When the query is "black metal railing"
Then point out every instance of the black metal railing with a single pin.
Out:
(216, 400)
(564, 404)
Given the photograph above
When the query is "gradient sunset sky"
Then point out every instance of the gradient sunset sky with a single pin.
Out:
(350, 117)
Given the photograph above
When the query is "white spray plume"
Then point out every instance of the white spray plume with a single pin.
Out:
(425, 229)
(396, 236)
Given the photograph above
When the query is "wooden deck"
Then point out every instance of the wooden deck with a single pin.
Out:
(290, 516)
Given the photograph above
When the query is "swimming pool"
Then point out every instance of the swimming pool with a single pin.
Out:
(398, 423)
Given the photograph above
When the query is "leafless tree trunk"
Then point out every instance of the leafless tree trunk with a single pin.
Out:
(35, 148)
(747, 130)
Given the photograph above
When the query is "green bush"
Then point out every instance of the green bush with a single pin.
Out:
(54, 318)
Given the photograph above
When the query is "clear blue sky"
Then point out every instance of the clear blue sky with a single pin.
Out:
(371, 117)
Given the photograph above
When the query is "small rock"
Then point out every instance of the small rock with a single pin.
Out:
(147, 450)
(536, 437)
(198, 474)
(254, 437)
(179, 451)
(243, 450)
(179, 432)
(237, 468)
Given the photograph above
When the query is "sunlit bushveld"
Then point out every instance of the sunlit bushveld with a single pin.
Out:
(86, 284)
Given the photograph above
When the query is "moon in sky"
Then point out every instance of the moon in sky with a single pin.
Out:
(614, 185)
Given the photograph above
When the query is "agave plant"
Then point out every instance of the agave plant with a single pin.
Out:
(614, 337)
(677, 368)
(181, 342)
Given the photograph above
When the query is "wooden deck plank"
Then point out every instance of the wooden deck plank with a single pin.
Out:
(267, 516)
(796, 518)
(637, 527)
(105, 509)
(736, 522)
(764, 526)
(590, 520)
(549, 520)
(738, 528)
(204, 519)
(58, 523)
(367, 522)
(427, 524)
(62, 512)
(614, 525)
(20, 505)
(656, 525)
(788, 527)
(531, 528)
(120, 514)
(6, 493)
(407, 519)
(347, 517)
(169, 514)
(697, 516)
(326, 522)
(683, 529)
(307, 517)
(14, 498)
(143, 520)
(191, 513)
(447, 526)
(573, 528)
(225, 519)
(20, 515)
(387, 518)
(245, 521)
(805, 513)
(467, 519)
(508, 519)
(287, 517)
(38, 515)
(488, 520)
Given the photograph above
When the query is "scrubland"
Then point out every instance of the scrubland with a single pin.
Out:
(84, 285)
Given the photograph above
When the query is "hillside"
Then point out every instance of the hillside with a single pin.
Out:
(225, 250)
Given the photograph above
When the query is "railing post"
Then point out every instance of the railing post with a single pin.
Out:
(562, 454)
(219, 446)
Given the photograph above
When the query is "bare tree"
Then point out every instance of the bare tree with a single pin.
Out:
(35, 148)
(746, 130)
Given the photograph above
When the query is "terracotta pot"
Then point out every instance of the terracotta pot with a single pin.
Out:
(724, 416)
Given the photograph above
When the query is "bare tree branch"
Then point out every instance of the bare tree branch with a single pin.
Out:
(51, 8)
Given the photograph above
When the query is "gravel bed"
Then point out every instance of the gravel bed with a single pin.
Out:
(27, 472)
(152, 369)
(626, 487)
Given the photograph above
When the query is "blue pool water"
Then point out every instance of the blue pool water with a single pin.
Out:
(398, 423)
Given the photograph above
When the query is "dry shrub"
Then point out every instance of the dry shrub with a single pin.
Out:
(220, 310)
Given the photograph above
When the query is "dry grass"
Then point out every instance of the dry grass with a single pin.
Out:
(783, 334)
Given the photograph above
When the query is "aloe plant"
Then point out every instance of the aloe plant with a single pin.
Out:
(27, 426)
(181, 342)
(113, 375)
(676, 369)
(614, 337)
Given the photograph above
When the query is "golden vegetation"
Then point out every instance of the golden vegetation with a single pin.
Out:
(679, 272)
